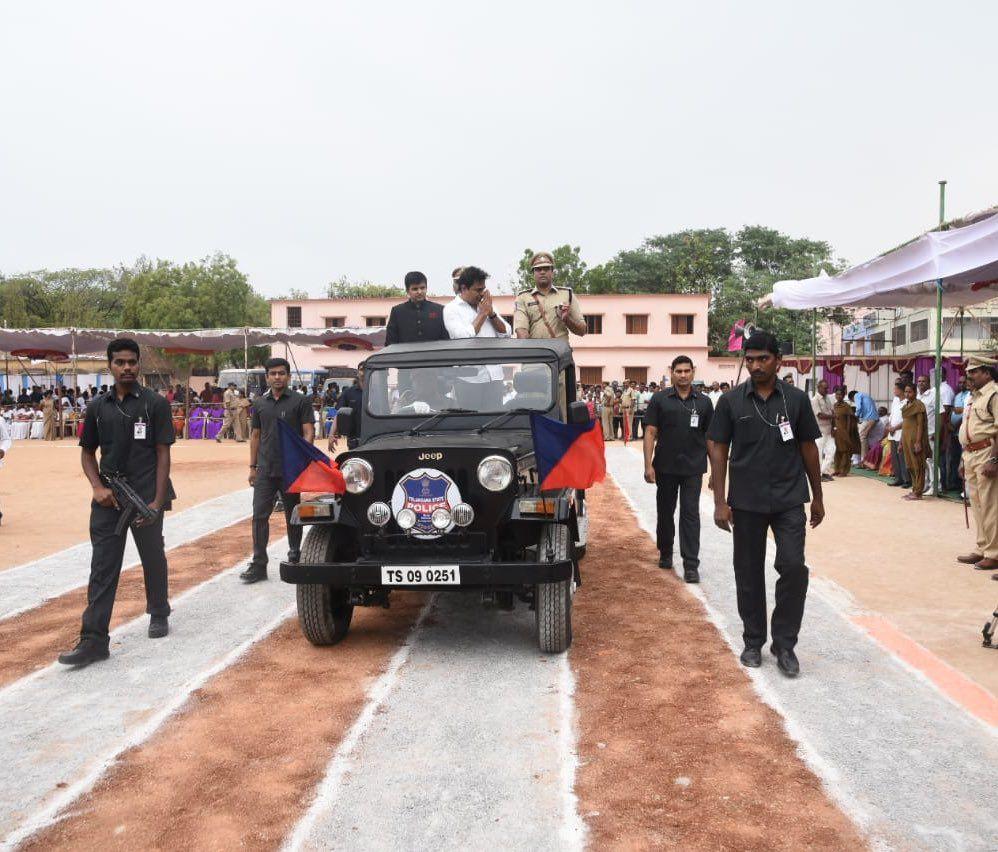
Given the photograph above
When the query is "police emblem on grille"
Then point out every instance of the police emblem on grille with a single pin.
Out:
(424, 491)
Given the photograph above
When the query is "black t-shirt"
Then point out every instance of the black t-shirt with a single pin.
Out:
(680, 447)
(766, 474)
(109, 425)
(294, 409)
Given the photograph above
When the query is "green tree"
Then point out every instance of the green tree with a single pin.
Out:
(343, 288)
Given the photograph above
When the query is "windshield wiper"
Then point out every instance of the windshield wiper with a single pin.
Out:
(443, 412)
(502, 418)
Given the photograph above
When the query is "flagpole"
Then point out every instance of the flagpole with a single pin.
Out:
(937, 485)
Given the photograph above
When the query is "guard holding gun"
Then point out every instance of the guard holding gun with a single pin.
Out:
(133, 428)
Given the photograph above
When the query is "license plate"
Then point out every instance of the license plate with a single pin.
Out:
(420, 575)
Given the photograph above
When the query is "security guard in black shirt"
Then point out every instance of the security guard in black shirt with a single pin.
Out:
(770, 429)
(133, 428)
(352, 398)
(415, 320)
(266, 470)
(675, 446)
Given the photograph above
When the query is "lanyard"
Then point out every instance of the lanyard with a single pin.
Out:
(786, 413)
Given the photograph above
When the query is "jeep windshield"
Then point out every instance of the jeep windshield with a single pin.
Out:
(470, 388)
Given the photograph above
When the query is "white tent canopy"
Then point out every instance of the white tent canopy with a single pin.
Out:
(48, 342)
(964, 259)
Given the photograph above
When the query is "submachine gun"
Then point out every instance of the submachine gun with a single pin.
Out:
(990, 628)
(132, 506)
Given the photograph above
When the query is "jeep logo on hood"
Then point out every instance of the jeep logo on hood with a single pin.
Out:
(430, 456)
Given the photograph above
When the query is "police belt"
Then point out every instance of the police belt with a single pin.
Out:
(977, 445)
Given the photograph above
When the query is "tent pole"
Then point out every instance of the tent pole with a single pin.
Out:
(246, 362)
(936, 465)
(814, 350)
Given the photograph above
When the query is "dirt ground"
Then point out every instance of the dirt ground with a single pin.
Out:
(675, 749)
(898, 559)
(35, 638)
(45, 499)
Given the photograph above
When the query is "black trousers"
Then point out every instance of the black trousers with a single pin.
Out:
(105, 569)
(687, 488)
(265, 491)
(750, 530)
(898, 465)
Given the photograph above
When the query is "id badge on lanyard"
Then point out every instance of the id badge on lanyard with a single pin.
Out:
(786, 431)
(694, 420)
(140, 430)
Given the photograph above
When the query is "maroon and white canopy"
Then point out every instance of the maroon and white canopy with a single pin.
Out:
(52, 343)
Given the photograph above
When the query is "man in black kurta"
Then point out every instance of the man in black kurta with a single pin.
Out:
(770, 429)
(675, 448)
(415, 320)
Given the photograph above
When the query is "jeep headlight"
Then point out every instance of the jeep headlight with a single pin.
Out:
(495, 473)
(358, 474)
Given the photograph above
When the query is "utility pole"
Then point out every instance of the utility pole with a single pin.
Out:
(936, 466)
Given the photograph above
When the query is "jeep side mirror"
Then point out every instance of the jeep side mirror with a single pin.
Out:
(578, 413)
(344, 422)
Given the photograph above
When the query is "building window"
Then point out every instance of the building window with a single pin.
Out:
(636, 374)
(878, 342)
(900, 335)
(994, 326)
(682, 323)
(636, 323)
(335, 322)
(294, 316)
(594, 323)
(919, 330)
(375, 321)
(591, 375)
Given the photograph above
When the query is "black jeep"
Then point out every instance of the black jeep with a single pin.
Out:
(442, 489)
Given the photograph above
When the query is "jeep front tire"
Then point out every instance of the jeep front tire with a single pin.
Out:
(553, 601)
(324, 612)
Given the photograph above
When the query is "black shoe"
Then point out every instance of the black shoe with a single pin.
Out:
(751, 657)
(665, 562)
(827, 477)
(253, 575)
(895, 484)
(691, 575)
(294, 556)
(87, 651)
(786, 661)
(159, 626)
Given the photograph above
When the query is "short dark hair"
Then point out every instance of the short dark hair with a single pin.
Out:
(726, 385)
(121, 344)
(763, 341)
(470, 276)
(272, 363)
(413, 278)
(681, 359)
(852, 393)
(910, 385)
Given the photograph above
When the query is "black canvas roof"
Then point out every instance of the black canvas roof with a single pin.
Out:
(468, 349)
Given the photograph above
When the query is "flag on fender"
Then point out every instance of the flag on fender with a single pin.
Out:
(305, 467)
(568, 455)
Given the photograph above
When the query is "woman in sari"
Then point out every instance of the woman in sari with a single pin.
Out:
(914, 440)
(844, 428)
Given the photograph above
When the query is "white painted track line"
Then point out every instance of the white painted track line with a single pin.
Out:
(912, 769)
(469, 745)
(29, 585)
(64, 726)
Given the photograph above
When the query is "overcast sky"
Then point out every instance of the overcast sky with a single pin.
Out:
(311, 140)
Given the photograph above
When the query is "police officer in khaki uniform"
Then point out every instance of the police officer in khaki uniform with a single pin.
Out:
(229, 418)
(606, 411)
(242, 415)
(979, 464)
(547, 311)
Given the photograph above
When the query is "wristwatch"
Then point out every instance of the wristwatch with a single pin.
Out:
(493, 315)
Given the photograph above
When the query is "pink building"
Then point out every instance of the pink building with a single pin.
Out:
(629, 337)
